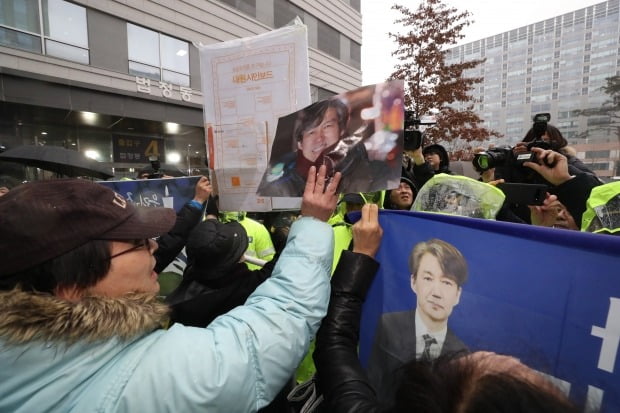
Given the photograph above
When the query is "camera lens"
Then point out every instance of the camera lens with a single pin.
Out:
(483, 162)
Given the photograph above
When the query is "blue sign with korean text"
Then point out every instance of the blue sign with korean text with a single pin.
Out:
(165, 192)
(549, 297)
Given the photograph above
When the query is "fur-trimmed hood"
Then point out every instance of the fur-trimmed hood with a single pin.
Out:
(27, 316)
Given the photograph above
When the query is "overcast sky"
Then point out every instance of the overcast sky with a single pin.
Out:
(489, 17)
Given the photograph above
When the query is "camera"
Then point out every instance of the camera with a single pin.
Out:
(413, 136)
(155, 165)
(540, 125)
(492, 158)
(489, 159)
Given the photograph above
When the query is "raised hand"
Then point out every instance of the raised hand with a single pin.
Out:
(203, 189)
(367, 232)
(545, 215)
(319, 199)
(553, 166)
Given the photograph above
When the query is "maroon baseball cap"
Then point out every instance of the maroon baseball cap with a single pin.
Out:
(45, 219)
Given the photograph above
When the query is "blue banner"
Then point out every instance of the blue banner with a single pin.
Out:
(549, 297)
(165, 192)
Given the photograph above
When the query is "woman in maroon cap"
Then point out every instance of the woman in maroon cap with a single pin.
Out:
(80, 327)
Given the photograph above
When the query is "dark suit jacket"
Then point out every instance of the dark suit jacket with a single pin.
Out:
(394, 346)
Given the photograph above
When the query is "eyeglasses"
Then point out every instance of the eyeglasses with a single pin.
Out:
(139, 243)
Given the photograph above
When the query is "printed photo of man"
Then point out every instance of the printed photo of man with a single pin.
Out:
(333, 132)
(438, 272)
(317, 130)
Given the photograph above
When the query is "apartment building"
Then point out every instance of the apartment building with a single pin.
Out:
(119, 79)
(555, 66)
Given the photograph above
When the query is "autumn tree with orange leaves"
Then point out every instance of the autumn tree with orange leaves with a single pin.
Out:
(431, 85)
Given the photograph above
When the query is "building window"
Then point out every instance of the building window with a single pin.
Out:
(318, 93)
(599, 166)
(324, 93)
(64, 30)
(284, 12)
(244, 6)
(20, 40)
(328, 39)
(156, 56)
(356, 55)
(598, 154)
(23, 17)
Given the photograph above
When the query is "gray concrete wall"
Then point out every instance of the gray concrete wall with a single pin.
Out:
(191, 20)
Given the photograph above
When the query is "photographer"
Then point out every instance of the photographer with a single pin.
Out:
(510, 164)
(419, 164)
(426, 163)
(545, 136)
(572, 190)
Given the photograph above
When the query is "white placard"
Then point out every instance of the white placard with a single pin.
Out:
(247, 85)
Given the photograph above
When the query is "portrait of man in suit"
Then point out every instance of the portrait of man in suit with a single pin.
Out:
(438, 272)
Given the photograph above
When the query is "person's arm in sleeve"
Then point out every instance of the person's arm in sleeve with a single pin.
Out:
(171, 243)
(420, 170)
(246, 356)
(572, 190)
(340, 376)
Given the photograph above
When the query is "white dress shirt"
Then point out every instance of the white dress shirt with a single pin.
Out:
(420, 331)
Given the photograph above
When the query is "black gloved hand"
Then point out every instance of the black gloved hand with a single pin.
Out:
(212, 206)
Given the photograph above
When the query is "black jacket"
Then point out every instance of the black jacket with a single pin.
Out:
(171, 243)
(575, 192)
(340, 376)
(422, 173)
(196, 304)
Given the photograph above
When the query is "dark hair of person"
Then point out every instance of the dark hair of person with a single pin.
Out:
(81, 268)
(313, 115)
(450, 259)
(444, 385)
(556, 140)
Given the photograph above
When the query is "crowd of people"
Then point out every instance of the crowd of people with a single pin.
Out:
(553, 165)
(84, 327)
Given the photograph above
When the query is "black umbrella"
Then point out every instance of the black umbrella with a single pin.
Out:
(57, 159)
